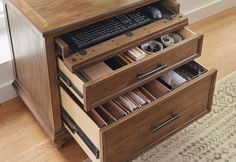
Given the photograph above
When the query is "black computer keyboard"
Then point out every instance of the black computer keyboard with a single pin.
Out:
(107, 29)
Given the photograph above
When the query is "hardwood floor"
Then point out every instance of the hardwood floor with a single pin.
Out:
(219, 49)
(23, 140)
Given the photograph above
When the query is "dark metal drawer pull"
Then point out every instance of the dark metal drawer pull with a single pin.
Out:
(157, 126)
(153, 71)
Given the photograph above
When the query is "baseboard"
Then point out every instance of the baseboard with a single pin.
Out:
(7, 92)
(209, 9)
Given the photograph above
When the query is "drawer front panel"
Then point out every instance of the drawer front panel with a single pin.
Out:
(121, 141)
(141, 71)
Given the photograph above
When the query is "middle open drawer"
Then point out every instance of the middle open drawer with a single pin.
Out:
(176, 99)
(110, 82)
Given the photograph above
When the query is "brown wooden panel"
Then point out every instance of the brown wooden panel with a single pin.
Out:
(99, 91)
(123, 42)
(52, 16)
(172, 5)
(121, 80)
(189, 102)
(34, 83)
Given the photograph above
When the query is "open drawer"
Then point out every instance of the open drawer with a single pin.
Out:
(74, 59)
(114, 81)
(120, 140)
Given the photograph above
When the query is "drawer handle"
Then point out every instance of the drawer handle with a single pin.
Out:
(157, 126)
(153, 71)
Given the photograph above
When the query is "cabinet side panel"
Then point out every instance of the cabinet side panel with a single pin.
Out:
(31, 69)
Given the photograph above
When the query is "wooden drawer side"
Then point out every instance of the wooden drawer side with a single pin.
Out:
(80, 117)
(82, 145)
(76, 130)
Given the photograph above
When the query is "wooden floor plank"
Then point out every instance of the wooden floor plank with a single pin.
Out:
(47, 152)
(14, 116)
(22, 139)
(219, 49)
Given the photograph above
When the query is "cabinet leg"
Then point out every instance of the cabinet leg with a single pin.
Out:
(62, 138)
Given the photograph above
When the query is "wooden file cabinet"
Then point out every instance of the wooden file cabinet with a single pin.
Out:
(48, 83)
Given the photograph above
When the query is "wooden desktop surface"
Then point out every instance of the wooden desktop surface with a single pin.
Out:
(56, 15)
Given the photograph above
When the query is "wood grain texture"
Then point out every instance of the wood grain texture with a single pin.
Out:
(34, 52)
(219, 46)
(78, 83)
(30, 60)
(83, 145)
(81, 118)
(122, 43)
(23, 139)
(51, 16)
(15, 117)
(35, 75)
(53, 83)
(172, 5)
(100, 91)
(192, 99)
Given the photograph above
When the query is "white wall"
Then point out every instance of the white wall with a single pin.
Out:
(2, 25)
(188, 5)
(7, 92)
(200, 9)
(6, 73)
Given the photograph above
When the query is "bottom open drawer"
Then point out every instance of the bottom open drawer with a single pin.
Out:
(130, 135)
